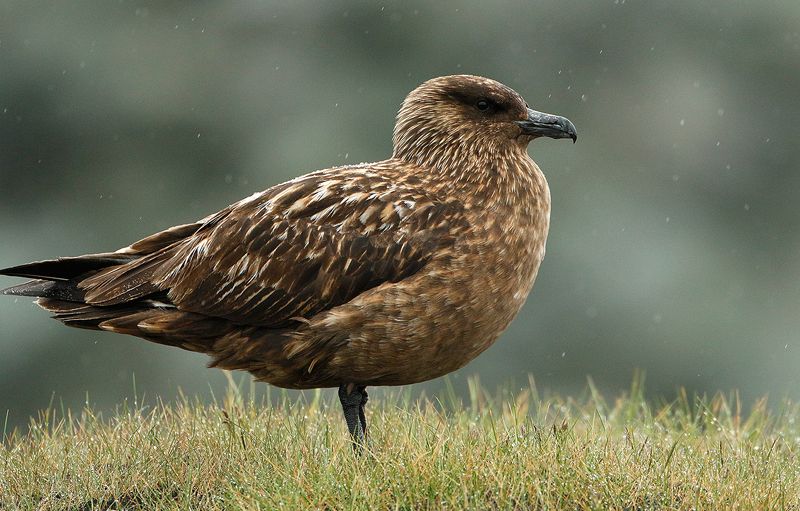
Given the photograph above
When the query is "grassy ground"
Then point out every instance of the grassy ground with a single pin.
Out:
(522, 451)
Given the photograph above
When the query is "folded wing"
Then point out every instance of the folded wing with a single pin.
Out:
(284, 254)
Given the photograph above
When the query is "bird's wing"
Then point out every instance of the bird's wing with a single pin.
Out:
(292, 251)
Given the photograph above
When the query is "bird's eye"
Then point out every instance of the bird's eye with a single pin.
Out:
(482, 105)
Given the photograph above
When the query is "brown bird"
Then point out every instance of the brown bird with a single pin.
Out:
(384, 273)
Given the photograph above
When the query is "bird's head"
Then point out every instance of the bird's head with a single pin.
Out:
(462, 116)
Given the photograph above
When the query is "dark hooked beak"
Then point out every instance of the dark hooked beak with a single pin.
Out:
(539, 124)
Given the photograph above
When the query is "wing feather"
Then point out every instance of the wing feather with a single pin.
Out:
(271, 258)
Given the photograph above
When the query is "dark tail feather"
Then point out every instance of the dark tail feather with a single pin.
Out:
(58, 279)
(66, 268)
(56, 290)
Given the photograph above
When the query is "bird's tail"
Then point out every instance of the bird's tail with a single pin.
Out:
(58, 278)
(151, 317)
(57, 286)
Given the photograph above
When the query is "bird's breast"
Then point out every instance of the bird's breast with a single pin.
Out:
(444, 315)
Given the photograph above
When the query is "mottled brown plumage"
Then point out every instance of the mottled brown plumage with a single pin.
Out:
(385, 273)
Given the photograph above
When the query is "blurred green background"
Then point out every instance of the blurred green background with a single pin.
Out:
(674, 246)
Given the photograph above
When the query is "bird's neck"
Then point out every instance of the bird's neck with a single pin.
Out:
(506, 181)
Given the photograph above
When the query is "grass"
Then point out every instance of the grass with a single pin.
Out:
(523, 451)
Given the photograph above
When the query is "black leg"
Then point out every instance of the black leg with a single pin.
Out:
(353, 400)
(361, 417)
